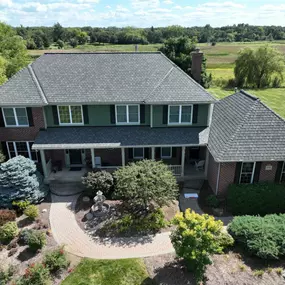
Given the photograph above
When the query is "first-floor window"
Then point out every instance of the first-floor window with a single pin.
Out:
(69, 115)
(166, 152)
(247, 172)
(180, 114)
(138, 153)
(22, 148)
(283, 173)
(127, 114)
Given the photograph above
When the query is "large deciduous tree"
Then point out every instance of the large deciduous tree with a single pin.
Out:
(179, 51)
(259, 68)
(145, 183)
(13, 52)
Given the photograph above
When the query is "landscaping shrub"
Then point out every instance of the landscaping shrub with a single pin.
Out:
(212, 201)
(6, 275)
(261, 236)
(32, 212)
(56, 260)
(99, 181)
(33, 238)
(20, 180)
(7, 216)
(37, 274)
(2, 157)
(146, 182)
(195, 239)
(20, 206)
(8, 232)
(256, 199)
(225, 240)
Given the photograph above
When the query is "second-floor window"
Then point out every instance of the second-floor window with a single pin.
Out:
(127, 114)
(180, 114)
(70, 115)
(15, 117)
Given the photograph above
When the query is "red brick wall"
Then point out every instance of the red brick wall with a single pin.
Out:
(24, 133)
(227, 177)
(268, 175)
(213, 168)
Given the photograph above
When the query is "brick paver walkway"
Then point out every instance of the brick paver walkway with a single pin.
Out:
(66, 231)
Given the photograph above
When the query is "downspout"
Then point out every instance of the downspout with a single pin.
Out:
(218, 178)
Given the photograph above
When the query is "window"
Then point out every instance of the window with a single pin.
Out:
(127, 114)
(15, 117)
(180, 114)
(138, 153)
(166, 152)
(70, 115)
(283, 173)
(22, 148)
(247, 172)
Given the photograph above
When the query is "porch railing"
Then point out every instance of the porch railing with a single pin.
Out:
(176, 169)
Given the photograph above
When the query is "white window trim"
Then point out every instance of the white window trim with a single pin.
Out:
(16, 118)
(70, 116)
(282, 171)
(180, 115)
(138, 157)
(161, 156)
(252, 174)
(16, 150)
(127, 110)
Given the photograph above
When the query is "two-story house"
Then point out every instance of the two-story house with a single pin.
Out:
(103, 110)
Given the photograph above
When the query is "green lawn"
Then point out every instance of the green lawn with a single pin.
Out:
(273, 97)
(109, 272)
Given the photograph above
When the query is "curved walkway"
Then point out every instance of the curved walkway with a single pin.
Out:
(66, 231)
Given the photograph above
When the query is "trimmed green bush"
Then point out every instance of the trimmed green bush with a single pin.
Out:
(212, 201)
(256, 199)
(33, 238)
(32, 212)
(261, 236)
(7, 275)
(56, 260)
(7, 216)
(8, 232)
(225, 240)
(20, 206)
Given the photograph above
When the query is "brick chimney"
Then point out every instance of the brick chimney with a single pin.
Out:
(196, 67)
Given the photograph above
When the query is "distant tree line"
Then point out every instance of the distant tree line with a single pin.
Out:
(43, 37)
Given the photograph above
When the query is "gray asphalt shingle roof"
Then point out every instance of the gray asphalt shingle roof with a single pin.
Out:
(104, 78)
(244, 129)
(21, 89)
(119, 136)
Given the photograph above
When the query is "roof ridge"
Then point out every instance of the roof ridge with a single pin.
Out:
(37, 83)
(188, 76)
(100, 52)
(240, 125)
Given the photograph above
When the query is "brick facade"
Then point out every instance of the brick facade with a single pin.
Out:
(227, 177)
(24, 133)
(268, 175)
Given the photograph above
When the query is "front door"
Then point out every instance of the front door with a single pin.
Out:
(75, 157)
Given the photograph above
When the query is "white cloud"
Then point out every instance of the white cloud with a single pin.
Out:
(223, 5)
(6, 3)
(108, 7)
(168, 2)
(144, 4)
(273, 8)
(88, 1)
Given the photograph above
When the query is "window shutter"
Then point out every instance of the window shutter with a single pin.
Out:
(30, 117)
(256, 172)
(146, 153)
(5, 150)
(85, 114)
(112, 114)
(195, 114)
(158, 153)
(2, 123)
(174, 151)
(55, 115)
(237, 173)
(165, 115)
(142, 114)
(278, 171)
(131, 153)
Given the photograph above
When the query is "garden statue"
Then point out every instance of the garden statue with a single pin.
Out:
(99, 208)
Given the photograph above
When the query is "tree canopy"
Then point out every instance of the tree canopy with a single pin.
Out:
(259, 68)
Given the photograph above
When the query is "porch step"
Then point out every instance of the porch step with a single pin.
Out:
(66, 189)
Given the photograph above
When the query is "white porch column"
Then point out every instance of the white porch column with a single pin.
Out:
(93, 158)
(44, 163)
(123, 156)
(153, 153)
(183, 160)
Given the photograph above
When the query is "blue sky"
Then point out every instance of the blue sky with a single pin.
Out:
(141, 13)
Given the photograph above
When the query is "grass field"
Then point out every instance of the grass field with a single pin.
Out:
(109, 272)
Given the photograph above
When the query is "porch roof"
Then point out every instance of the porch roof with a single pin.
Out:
(116, 137)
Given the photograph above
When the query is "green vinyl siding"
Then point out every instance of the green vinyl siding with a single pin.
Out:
(202, 119)
(99, 115)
